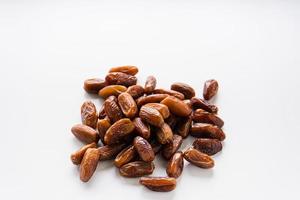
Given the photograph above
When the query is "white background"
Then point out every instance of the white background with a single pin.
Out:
(48, 48)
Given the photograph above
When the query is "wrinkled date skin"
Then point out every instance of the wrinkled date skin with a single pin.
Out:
(111, 90)
(128, 105)
(77, 156)
(93, 85)
(109, 152)
(183, 127)
(162, 109)
(127, 69)
(172, 121)
(141, 128)
(177, 106)
(207, 131)
(164, 134)
(120, 78)
(112, 109)
(175, 165)
(170, 148)
(210, 89)
(169, 92)
(89, 164)
(118, 131)
(125, 156)
(208, 146)
(135, 91)
(151, 116)
(150, 84)
(144, 149)
(89, 114)
(153, 98)
(159, 184)
(200, 103)
(198, 158)
(202, 116)
(137, 169)
(102, 126)
(102, 113)
(85, 133)
(183, 88)
(156, 146)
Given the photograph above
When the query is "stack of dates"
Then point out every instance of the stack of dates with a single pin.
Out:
(135, 123)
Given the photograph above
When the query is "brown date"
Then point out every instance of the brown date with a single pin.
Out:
(125, 156)
(135, 91)
(169, 92)
(175, 165)
(77, 156)
(150, 84)
(89, 114)
(207, 131)
(85, 133)
(170, 148)
(210, 89)
(144, 149)
(183, 88)
(164, 134)
(128, 105)
(198, 158)
(202, 116)
(153, 98)
(89, 164)
(93, 85)
(151, 116)
(127, 69)
(120, 78)
(162, 109)
(111, 90)
(177, 106)
(112, 109)
(159, 184)
(141, 128)
(137, 169)
(208, 146)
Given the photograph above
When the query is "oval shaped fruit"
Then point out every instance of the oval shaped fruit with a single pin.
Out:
(77, 156)
(137, 169)
(144, 149)
(164, 134)
(150, 84)
(125, 156)
(210, 89)
(112, 109)
(175, 165)
(153, 98)
(102, 126)
(200, 103)
(198, 158)
(89, 164)
(127, 69)
(202, 116)
(207, 131)
(102, 113)
(120, 78)
(162, 109)
(109, 152)
(141, 128)
(170, 148)
(85, 133)
(159, 184)
(183, 127)
(128, 105)
(112, 90)
(151, 116)
(135, 91)
(208, 146)
(177, 107)
(118, 131)
(93, 85)
(183, 88)
(89, 114)
(169, 92)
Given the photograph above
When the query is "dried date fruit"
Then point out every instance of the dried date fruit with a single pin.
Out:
(172, 120)
(203, 130)
(151, 116)
(170, 148)
(208, 146)
(93, 85)
(102, 126)
(162, 109)
(127, 69)
(210, 89)
(159, 184)
(85, 133)
(183, 88)
(183, 127)
(137, 169)
(125, 156)
(118, 131)
(153, 98)
(144, 149)
(200, 103)
(111, 90)
(89, 164)
(89, 114)
(198, 158)
(120, 78)
(202, 116)
(135, 91)
(102, 113)
(169, 92)
(175, 165)
(112, 109)
(77, 156)
(141, 128)
(156, 146)
(177, 106)
(128, 105)
(150, 84)
(164, 134)
(109, 152)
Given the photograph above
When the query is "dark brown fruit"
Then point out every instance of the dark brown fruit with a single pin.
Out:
(109, 152)
(151, 116)
(198, 158)
(112, 109)
(127, 104)
(164, 134)
(183, 127)
(208, 146)
(150, 84)
(120, 78)
(183, 88)
(153, 98)
(137, 169)
(162, 109)
(170, 148)
(203, 130)
(200, 103)
(202, 116)
(141, 128)
(89, 114)
(125, 156)
(175, 165)
(159, 184)
(93, 85)
(85, 133)
(77, 156)
(102, 126)
(127, 69)
(89, 164)
(135, 91)
(169, 92)
(177, 106)
(210, 89)
(144, 149)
